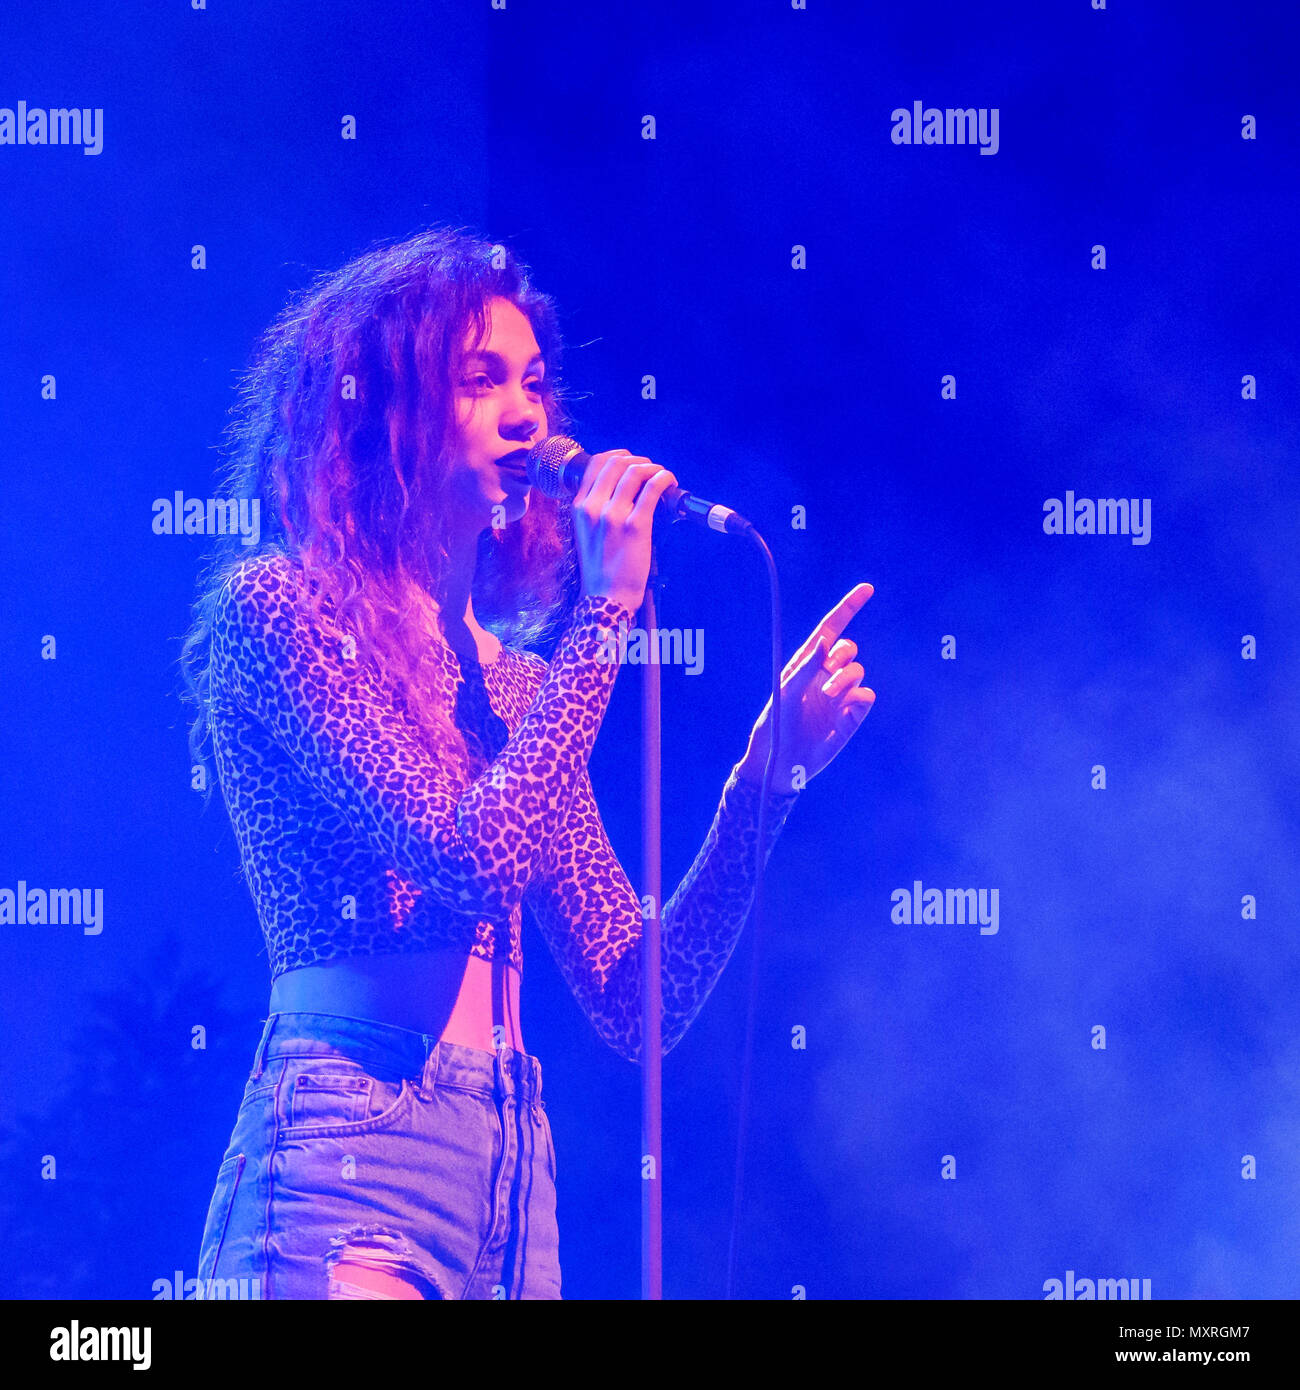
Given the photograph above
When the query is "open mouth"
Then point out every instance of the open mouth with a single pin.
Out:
(517, 462)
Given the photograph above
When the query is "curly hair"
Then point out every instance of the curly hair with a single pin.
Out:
(351, 476)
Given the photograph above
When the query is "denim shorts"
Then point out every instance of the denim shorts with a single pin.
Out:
(362, 1144)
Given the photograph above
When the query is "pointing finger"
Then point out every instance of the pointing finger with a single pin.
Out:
(843, 613)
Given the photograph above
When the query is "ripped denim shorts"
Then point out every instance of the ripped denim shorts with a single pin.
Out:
(360, 1146)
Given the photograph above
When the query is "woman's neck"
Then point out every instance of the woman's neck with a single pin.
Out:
(455, 602)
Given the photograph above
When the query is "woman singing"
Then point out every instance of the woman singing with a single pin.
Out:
(405, 778)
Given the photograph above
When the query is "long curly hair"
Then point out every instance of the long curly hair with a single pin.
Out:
(352, 476)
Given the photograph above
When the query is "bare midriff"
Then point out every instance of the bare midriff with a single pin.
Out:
(443, 994)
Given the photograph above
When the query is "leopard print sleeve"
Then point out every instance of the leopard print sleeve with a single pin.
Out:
(474, 849)
(591, 916)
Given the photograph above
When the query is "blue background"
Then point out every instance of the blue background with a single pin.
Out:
(777, 388)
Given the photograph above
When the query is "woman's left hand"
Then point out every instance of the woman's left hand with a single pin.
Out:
(822, 703)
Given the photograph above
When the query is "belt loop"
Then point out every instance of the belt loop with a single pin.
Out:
(259, 1057)
(432, 1062)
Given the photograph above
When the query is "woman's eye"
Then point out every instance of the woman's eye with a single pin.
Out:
(484, 379)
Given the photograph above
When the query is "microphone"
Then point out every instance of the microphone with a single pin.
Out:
(557, 465)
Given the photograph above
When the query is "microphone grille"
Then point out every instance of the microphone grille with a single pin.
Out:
(546, 464)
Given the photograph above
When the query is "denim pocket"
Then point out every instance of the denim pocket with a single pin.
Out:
(325, 1098)
(214, 1229)
(335, 1096)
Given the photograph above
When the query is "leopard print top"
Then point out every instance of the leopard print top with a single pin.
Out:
(356, 838)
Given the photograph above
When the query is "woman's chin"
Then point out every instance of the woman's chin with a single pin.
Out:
(508, 508)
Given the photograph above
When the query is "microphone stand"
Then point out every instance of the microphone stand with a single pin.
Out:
(652, 1254)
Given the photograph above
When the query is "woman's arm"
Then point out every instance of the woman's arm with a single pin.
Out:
(591, 916)
(472, 849)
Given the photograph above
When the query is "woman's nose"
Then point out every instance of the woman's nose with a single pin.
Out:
(521, 432)
(523, 419)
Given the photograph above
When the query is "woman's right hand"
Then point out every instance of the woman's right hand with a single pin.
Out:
(613, 515)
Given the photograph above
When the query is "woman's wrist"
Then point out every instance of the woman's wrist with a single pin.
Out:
(753, 770)
(745, 769)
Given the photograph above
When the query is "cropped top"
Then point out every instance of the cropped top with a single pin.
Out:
(356, 838)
